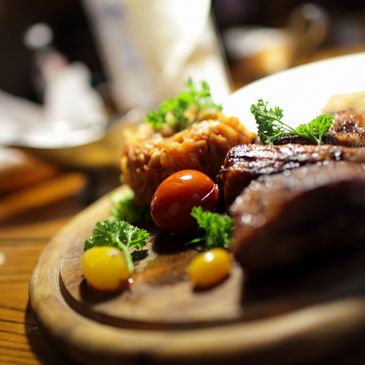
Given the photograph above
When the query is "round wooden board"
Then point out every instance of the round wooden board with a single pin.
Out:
(162, 320)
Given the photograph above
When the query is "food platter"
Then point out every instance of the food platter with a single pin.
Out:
(89, 331)
(162, 320)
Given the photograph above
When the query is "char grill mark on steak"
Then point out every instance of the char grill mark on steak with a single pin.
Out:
(279, 219)
(245, 163)
(295, 140)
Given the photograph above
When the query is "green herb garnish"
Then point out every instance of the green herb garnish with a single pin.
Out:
(317, 128)
(174, 113)
(119, 234)
(270, 125)
(218, 228)
(124, 207)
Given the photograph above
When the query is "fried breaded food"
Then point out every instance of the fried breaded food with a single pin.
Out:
(202, 147)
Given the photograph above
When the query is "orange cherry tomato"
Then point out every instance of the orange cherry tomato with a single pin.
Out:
(175, 197)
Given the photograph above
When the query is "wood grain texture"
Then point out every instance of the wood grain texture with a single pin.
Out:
(22, 239)
(303, 319)
(45, 192)
(22, 342)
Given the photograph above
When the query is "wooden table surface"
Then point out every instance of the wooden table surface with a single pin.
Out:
(21, 340)
(29, 217)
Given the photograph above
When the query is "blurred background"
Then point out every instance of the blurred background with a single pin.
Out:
(71, 68)
(73, 35)
(76, 74)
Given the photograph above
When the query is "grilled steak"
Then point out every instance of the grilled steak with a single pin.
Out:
(202, 147)
(348, 129)
(281, 218)
(245, 163)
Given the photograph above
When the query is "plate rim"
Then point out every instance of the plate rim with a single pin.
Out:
(232, 102)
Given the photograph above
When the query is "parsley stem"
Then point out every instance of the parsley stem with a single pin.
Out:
(288, 127)
(127, 256)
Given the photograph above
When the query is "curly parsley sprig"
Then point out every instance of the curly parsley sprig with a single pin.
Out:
(316, 129)
(270, 125)
(119, 234)
(174, 113)
(217, 228)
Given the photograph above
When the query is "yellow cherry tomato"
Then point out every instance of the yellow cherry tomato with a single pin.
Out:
(210, 267)
(105, 268)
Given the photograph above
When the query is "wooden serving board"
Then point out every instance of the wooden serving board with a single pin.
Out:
(160, 319)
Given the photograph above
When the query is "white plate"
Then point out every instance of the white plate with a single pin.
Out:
(302, 91)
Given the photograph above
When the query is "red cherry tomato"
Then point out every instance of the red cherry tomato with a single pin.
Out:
(175, 197)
